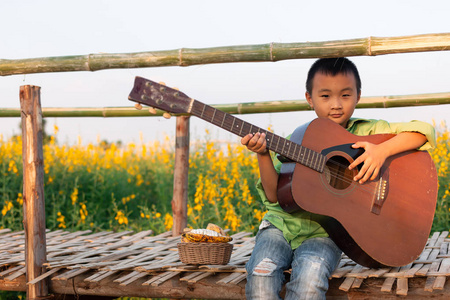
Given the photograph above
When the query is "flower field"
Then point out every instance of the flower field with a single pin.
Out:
(117, 187)
(112, 187)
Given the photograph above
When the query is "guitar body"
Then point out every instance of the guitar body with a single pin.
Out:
(385, 222)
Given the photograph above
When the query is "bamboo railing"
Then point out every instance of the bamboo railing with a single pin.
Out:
(370, 46)
(240, 108)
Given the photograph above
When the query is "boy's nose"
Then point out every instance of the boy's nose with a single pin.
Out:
(336, 104)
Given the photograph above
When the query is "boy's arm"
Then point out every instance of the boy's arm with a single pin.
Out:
(374, 155)
(269, 177)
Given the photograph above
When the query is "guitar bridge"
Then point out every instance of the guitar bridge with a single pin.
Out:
(380, 195)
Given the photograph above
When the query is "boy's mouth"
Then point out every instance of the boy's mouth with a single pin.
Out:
(336, 115)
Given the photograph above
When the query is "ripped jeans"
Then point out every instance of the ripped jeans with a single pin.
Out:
(312, 264)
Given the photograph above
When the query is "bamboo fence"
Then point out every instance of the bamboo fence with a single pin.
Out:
(369, 46)
(185, 57)
(240, 108)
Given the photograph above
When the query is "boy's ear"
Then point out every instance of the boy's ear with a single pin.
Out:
(359, 97)
(308, 98)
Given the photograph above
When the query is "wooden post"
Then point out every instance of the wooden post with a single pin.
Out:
(33, 190)
(180, 176)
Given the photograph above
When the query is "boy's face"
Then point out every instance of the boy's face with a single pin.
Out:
(334, 97)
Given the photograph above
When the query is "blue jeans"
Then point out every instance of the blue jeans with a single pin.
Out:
(312, 264)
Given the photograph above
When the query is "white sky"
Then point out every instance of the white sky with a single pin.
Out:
(59, 28)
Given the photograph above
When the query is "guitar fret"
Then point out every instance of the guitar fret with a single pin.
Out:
(246, 128)
(269, 139)
(300, 156)
(201, 115)
(296, 148)
(314, 160)
(237, 127)
(223, 120)
(220, 115)
(292, 152)
(311, 161)
(212, 119)
(322, 162)
(277, 145)
(319, 162)
(307, 158)
(232, 125)
(289, 150)
(225, 124)
(240, 132)
(195, 108)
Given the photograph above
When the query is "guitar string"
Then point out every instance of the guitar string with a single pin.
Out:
(229, 127)
(346, 180)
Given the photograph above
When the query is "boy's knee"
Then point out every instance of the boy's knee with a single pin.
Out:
(265, 267)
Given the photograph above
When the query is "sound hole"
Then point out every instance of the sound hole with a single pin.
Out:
(337, 173)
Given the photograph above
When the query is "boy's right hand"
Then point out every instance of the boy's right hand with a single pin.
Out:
(255, 142)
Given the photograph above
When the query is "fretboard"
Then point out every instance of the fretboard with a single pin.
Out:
(275, 143)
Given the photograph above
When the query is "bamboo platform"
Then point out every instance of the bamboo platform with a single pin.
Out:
(119, 264)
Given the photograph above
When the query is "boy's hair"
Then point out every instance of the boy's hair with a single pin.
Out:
(332, 66)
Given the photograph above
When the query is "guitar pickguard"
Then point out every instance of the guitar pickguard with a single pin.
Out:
(337, 178)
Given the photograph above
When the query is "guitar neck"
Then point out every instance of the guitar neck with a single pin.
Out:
(275, 143)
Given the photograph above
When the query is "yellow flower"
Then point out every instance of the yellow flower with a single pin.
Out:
(83, 213)
(121, 218)
(168, 221)
(61, 220)
(12, 167)
(74, 196)
(20, 198)
(7, 207)
(258, 215)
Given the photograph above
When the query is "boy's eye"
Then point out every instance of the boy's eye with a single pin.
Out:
(324, 96)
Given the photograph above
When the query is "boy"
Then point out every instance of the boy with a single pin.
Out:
(333, 88)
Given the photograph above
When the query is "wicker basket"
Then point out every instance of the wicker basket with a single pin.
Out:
(205, 253)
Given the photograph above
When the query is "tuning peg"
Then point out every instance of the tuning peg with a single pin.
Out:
(162, 83)
(138, 106)
(167, 115)
(152, 110)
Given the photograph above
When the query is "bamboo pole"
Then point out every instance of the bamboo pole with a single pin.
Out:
(240, 108)
(33, 190)
(370, 46)
(180, 176)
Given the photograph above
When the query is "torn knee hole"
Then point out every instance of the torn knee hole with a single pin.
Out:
(265, 267)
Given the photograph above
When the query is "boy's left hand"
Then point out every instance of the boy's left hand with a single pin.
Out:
(373, 158)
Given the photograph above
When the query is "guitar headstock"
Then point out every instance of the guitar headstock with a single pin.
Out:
(160, 96)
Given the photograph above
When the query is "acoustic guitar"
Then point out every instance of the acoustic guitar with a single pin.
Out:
(383, 222)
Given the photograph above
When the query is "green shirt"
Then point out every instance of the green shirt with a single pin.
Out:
(298, 226)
